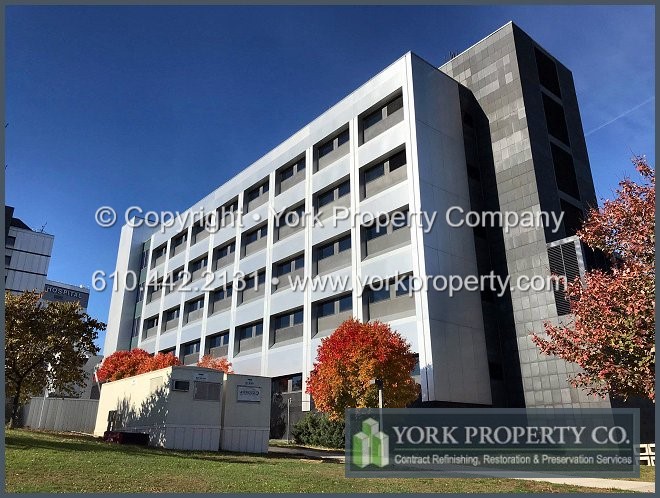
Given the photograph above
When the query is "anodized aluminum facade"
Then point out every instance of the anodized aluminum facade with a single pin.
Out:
(411, 139)
(424, 128)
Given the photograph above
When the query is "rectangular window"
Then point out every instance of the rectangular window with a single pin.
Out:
(326, 309)
(381, 294)
(344, 243)
(397, 160)
(326, 198)
(375, 231)
(222, 294)
(298, 317)
(195, 305)
(296, 382)
(547, 72)
(281, 322)
(198, 265)
(332, 144)
(171, 314)
(345, 303)
(374, 172)
(382, 112)
(555, 119)
(326, 251)
(191, 348)
(11, 241)
(217, 341)
(403, 287)
(7, 260)
(342, 138)
(343, 189)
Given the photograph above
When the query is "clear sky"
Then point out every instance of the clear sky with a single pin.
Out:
(158, 106)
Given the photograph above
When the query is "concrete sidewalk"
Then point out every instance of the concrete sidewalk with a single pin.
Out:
(587, 482)
(309, 453)
(592, 482)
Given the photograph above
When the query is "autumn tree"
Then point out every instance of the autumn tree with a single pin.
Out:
(350, 358)
(46, 346)
(209, 361)
(122, 364)
(611, 335)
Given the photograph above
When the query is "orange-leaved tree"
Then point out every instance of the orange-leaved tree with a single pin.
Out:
(613, 331)
(122, 364)
(209, 361)
(351, 358)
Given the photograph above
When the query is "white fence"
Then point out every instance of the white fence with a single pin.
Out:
(646, 454)
(61, 414)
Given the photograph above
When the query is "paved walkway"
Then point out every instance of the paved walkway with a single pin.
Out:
(309, 453)
(592, 482)
(588, 482)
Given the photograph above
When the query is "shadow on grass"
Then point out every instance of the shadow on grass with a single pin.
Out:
(26, 440)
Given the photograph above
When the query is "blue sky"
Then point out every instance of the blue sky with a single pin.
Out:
(103, 101)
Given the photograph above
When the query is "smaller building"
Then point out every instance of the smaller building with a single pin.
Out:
(189, 408)
(58, 292)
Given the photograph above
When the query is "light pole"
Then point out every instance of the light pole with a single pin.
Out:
(379, 385)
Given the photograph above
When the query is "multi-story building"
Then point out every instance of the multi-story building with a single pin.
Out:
(496, 128)
(27, 257)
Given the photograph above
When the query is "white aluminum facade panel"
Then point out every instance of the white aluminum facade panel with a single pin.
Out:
(431, 133)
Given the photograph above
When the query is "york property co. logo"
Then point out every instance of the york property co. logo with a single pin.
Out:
(370, 445)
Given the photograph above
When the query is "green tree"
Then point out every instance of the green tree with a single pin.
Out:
(46, 345)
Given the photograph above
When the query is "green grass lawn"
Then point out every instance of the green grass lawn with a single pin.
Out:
(46, 462)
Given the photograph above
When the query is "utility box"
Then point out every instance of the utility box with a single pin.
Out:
(246, 413)
(178, 407)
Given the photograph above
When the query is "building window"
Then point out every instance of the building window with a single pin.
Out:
(179, 243)
(287, 384)
(7, 260)
(11, 241)
(221, 299)
(286, 267)
(256, 196)
(250, 331)
(172, 314)
(159, 254)
(382, 112)
(216, 341)
(565, 171)
(332, 149)
(334, 247)
(252, 280)
(555, 119)
(547, 72)
(290, 175)
(334, 306)
(255, 239)
(190, 348)
(225, 216)
(222, 294)
(385, 116)
(381, 236)
(257, 192)
(287, 320)
(222, 256)
(333, 194)
(334, 143)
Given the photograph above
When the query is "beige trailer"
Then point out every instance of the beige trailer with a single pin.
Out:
(246, 413)
(179, 407)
